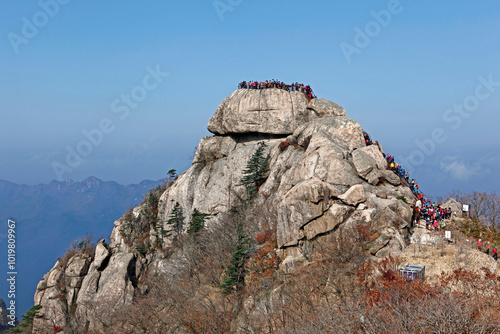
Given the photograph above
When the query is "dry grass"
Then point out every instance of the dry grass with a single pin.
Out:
(446, 257)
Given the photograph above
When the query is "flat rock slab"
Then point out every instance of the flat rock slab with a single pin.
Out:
(270, 111)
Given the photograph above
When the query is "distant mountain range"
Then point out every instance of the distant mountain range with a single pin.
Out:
(50, 216)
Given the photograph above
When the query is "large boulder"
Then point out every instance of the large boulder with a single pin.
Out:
(336, 215)
(368, 158)
(354, 196)
(101, 256)
(324, 108)
(78, 265)
(213, 148)
(343, 133)
(271, 111)
(301, 205)
(454, 205)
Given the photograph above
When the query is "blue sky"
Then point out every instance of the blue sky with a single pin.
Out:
(408, 72)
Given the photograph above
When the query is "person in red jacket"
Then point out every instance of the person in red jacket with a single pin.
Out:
(495, 253)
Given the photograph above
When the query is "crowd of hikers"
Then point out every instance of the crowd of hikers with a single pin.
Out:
(424, 209)
(432, 213)
(299, 87)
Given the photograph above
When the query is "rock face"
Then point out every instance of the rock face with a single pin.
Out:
(324, 181)
(87, 287)
(272, 111)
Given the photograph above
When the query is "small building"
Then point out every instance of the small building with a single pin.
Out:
(412, 272)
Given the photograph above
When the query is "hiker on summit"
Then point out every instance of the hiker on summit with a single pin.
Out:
(495, 253)
(368, 140)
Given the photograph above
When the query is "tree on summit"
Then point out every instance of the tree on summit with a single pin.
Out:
(171, 175)
(256, 170)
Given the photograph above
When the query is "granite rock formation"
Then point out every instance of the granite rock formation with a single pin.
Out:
(322, 180)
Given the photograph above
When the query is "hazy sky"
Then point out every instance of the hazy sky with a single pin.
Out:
(123, 90)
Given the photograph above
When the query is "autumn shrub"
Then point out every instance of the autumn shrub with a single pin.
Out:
(262, 267)
(283, 146)
(263, 237)
(85, 245)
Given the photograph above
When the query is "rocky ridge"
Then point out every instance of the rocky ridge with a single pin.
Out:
(323, 180)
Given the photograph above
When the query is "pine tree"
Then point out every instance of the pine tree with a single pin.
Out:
(235, 272)
(197, 222)
(256, 170)
(171, 175)
(28, 317)
(176, 220)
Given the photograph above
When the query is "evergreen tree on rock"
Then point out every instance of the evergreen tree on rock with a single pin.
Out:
(256, 171)
(235, 271)
(176, 220)
(197, 222)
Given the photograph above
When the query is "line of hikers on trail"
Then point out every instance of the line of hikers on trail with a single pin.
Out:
(433, 214)
(494, 251)
(396, 168)
(403, 175)
(299, 87)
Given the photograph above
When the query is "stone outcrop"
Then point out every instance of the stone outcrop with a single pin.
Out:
(322, 182)
(455, 206)
(271, 111)
(324, 108)
(88, 286)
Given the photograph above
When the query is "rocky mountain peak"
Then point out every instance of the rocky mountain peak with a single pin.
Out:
(323, 181)
(91, 181)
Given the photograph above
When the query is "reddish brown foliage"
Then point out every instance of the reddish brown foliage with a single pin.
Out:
(208, 322)
(263, 237)
(283, 145)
